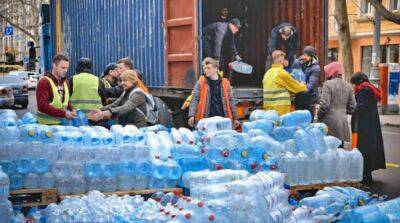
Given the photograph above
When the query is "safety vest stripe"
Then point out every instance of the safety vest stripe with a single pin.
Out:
(276, 99)
(85, 101)
(48, 117)
(275, 91)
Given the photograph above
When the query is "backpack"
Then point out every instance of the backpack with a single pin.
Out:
(151, 109)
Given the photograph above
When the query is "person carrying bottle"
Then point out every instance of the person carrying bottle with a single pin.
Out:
(366, 127)
(212, 96)
(309, 64)
(278, 84)
(53, 94)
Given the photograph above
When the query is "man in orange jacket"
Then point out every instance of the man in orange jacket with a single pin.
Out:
(212, 96)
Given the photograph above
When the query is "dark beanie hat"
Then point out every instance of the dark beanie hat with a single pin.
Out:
(310, 50)
(109, 67)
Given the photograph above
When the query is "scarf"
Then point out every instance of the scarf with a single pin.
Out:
(375, 91)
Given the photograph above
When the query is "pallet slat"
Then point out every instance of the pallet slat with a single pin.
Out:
(131, 192)
(295, 189)
(33, 197)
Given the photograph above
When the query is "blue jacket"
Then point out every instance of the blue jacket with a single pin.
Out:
(311, 72)
(215, 36)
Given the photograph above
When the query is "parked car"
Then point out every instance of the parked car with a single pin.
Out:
(5, 69)
(6, 96)
(19, 86)
(31, 77)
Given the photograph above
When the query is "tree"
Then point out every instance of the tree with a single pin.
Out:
(345, 53)
(384, 12)
(23, 15)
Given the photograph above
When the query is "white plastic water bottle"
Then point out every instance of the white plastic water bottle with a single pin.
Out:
(4, 185)
(356, 165)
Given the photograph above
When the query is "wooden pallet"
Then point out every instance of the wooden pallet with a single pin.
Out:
(131, 192)
(295, 189)
(33, 197)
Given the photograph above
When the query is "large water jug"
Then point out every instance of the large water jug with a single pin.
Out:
(106, 138)
(343, 165)
(214, 124)
(12, 134)
(176, 136)
(187, 136)
(282, 133)
(332, 142)
(304, 142)
(8, 117)
(262, 114)
(356, 165)
(28, 132)
(298, 75)
(160, 169)
(47, 180)
(80, 119)
(185, 151)
(192, 164)
(5, 207)
(145, 167)
(318, 138)
(263, 124)
(300, 118)
(28, 118)
(175, 170)
(120, 135)
(8, 167)
(30, 181)
(16, 182)
(41, 165)
(91, 139)
(166, 144)
(271, 147)
(45, 134)
(4, 186)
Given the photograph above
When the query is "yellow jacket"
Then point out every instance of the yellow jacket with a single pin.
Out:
(277, 85)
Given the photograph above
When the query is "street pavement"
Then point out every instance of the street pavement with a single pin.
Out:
(386, 182)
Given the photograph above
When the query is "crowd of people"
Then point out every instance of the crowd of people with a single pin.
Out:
(121, 95)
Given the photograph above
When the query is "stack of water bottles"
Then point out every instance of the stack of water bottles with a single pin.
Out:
(383, 212)
(237, 196)
(96, 207)
(5, 204)
(328, 203)
(309, 156)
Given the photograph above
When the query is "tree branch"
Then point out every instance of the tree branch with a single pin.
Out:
(384, 12)
(18, 27)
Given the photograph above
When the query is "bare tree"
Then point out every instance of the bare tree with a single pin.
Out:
(384, 12)
(340, 15)
(23, 15)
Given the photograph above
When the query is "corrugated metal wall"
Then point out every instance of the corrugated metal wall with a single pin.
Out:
(106, 30)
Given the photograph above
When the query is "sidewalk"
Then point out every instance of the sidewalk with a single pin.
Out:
(390, 120)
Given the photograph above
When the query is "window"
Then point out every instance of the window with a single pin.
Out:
(389, 54)
(366, 7)
(394, 5)
(332, 54)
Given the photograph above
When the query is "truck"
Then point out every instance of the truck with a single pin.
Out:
(164, 39)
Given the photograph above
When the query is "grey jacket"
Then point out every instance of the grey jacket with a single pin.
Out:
(196, 99)
(124, 108)
(337, 100)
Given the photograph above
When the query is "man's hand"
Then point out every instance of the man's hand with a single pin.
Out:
(191, 121)
(185, 105)
(94, 115)
(238, 58)
(236, 123)
(106, 114)
(69, 115)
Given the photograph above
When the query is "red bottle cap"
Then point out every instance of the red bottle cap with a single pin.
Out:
(218, 166)
(203, 150)
(188, 215)
(253, 166)
(211, 217)
(225, 153)
(200, 204)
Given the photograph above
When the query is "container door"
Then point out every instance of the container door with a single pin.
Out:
(181, 41)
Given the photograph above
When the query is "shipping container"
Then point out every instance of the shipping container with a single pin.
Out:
(163, 37)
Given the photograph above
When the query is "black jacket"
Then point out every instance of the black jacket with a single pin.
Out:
(275, 41)
(217, 36)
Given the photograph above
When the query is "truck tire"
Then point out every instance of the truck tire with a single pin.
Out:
(164, 115)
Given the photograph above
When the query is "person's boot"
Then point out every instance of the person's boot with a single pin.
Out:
(367, 178)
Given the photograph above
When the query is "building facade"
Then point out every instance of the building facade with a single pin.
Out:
(360, 14)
